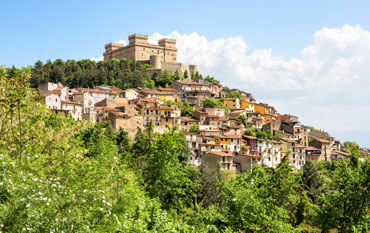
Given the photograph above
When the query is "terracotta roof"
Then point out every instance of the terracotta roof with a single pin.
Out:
(186, 119)
(333, 153)
(231, 136)
(107, 109)
(253, 156)
(311, 148)
(147, 100)
(213, 116)
(322, 140)
(250, 137)
(223, 154)
(167, 89)
(201, 112)
(59, 88)
(132, 106)
(70, 102)
(149, 91)
(166, 108)
(153, 69)
(223, 119)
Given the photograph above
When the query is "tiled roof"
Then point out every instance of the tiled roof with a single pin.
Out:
(70, 102)
(311, 148)
(147, 100)
(222, 154)
(250, 137)
(187, 119)
(253, 156)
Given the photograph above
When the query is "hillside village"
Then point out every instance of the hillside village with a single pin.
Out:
(223, 125)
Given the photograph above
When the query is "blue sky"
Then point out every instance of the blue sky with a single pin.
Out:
(33, 30)
(298, 55)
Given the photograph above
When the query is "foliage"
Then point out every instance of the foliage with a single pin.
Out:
(234, 94)
(260, 200)
(261, 134)
(210, 79)
(346, 207)
(186, 108)
(123, 73)
(194, 129)
(60, 175)
(166, 176)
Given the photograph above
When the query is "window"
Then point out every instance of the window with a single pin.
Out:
(269, 158)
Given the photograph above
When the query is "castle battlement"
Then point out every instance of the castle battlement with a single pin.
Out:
(136, 35)
(139, 49)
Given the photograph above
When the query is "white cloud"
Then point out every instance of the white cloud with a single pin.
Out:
(327, 86)
(96, 59)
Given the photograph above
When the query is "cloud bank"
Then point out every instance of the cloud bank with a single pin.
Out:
(326, 86)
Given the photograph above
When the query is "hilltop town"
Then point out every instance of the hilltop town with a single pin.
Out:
(223, 125)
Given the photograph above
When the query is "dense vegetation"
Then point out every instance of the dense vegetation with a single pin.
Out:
(123, 73)
(59, 175)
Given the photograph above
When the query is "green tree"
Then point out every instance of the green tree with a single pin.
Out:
(173, 182)
(194, 129)
(234, 94)
(346, 206)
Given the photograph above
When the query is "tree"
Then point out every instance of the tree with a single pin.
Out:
(186, 75)
(234, 94)
(173, 182)
(346, 206)
(47, 183)
(312, 182)
(194, 129)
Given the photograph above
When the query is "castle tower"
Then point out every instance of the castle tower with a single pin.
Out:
(193, 69)
(155, 61)
(138, 39)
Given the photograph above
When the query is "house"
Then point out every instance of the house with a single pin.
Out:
(247, 105)
(269, 151)
(187, 122)
(313, 153)
(251, 145)
(209, 144)
(52, 100)
(299, 157)
(219, 159)
(201, 116)
(73, 108)
(324, 146)
(232, 103)
(229, 143)
(147, 93)
(128, 119)
(219, 111)
(131, 94)
(193, 141)
(166, 94)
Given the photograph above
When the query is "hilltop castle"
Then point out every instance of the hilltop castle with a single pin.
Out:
(162, 56)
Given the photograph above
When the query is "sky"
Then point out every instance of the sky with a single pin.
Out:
(306, 58)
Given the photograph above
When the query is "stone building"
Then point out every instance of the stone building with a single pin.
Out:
(162, 56)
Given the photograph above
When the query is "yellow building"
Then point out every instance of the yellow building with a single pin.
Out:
(232, 103)
(166, 94)
(247, 105)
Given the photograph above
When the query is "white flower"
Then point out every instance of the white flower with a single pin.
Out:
(28, 205)
(85, 190)
(101, 209)
(47, 203)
